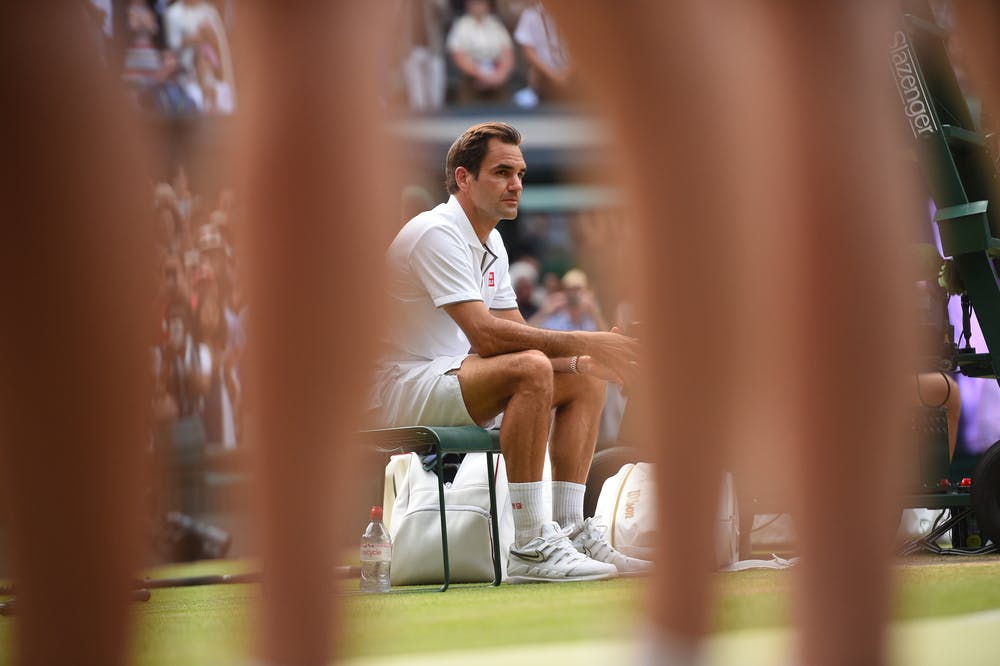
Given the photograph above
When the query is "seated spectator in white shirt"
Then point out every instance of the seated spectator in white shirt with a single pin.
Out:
(193, 24)
(482, 50)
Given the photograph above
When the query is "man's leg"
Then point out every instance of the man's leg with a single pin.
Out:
(578, 401)
(521, 386)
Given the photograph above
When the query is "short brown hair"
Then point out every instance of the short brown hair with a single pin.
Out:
(470, 148)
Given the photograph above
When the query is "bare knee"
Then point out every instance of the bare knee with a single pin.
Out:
(532, 372)
(589, 390)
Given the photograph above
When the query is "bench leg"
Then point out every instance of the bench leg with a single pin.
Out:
(497, 574)
(439, 462)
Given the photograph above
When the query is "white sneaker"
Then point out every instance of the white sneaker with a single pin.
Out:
(551, 557)
(592, 541)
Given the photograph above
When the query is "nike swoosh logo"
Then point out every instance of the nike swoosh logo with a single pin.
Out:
(533, 555)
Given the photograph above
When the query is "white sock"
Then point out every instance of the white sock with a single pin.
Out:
(526, 501)
(567, 503)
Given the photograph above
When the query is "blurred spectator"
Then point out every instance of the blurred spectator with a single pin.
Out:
(219, 220)
(226, 216)
(168, 94)
(178, 385)
(482, 50)
(548, 64)
(166, 228)
(216, 365)
(185, 198)
(551, 285)
(214, 258)
(524, 278)
(235, 314)
(173, 282)
(142, 58)
(509, 11)
(142, 24)
(216, 268)
(194, 27)
(573, 309)
(420, 31)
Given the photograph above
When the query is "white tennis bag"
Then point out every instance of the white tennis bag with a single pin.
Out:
(415, 524)
(627, 505)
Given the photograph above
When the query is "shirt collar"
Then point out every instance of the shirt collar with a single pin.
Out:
(463, 224)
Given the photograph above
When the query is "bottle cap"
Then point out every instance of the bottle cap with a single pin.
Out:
(376, 513)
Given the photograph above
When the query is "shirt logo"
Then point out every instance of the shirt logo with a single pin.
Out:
(492, 281)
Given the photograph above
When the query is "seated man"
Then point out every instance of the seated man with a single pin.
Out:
(460, 353)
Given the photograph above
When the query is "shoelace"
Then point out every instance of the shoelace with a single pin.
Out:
(595, 530)
(561, 547)
(595, 534)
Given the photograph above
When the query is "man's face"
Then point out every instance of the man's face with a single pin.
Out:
(496, 192)
(477, 8)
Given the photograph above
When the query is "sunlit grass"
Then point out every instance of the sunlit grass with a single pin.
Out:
(214, 624)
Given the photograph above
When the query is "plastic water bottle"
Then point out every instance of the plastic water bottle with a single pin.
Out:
(376, 554)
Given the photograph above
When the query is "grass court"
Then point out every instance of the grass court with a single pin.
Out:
(593, 621)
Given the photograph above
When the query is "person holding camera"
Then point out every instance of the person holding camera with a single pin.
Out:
(573, 308)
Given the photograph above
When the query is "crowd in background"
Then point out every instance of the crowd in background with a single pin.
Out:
(200, 332)
(463, 52)
(175, 56)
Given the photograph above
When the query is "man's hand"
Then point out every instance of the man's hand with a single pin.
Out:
(615, 354)
(586, 365)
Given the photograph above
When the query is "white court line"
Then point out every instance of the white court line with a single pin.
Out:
(969, 640)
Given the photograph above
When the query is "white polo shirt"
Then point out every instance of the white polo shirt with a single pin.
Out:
(437, 259)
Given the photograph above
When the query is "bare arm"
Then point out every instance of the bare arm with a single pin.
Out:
(491, 335)
(585, 365)
(466, 64)
(505, 64)
(510, 315)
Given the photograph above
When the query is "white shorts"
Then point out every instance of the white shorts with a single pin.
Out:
(421, 393)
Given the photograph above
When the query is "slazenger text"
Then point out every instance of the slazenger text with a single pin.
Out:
(911, 92)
